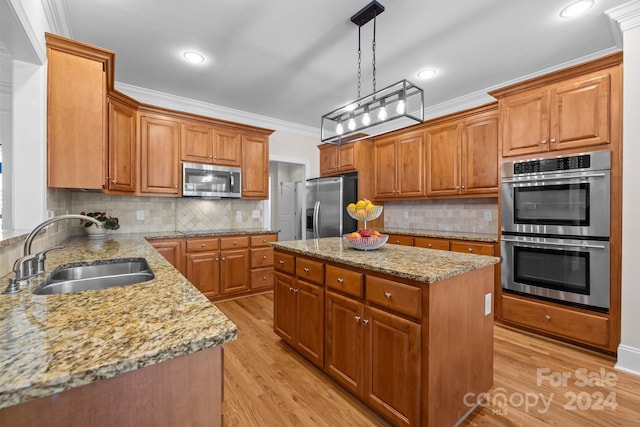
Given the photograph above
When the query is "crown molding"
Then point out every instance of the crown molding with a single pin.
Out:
(626, 15)
(179, 103)
(57, 17)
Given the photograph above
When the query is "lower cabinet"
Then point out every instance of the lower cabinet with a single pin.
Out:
(223, 267)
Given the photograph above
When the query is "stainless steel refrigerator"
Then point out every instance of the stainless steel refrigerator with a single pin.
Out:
(327, 199)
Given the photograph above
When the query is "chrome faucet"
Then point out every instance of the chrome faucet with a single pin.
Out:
(29, 265)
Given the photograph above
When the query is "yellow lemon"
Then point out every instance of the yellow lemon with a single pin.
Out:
(361, 204)
(351, 207)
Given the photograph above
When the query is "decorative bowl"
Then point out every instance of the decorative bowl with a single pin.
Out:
(365, 214)
(366, 243)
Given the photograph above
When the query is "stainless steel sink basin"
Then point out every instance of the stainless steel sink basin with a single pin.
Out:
(99, 275)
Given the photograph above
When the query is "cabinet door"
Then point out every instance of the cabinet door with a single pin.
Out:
(284, 307)
(343, 341)
(255, 166)
(347, 157)
(160, 161)
(234, 271)
(581, 112)
(392, 366)
(196, 142)
(443, 144)
(525, 123)
(76, 128)
(384, 152)
(410, 169)
(172, 251)
(479, 162)
(203, 270)
(310, 319)
(122, 148)
(227, 147)
(328, 159)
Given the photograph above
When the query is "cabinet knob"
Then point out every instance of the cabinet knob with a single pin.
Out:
(364, 322)
(552, 140)
(470, 249)
(340, 280)
(175, 186)
(264, 277)
(223, 258)
(544, 141)
(429, 245)
(387, 295)
(457, 187)
(295, 290)
(264, 257)
(357, 318)
(281, 262)
(463, 187)
(203, 245)
(290, 289)
(215, 157)
(113, 181)
(264, 240)
(306, 269)
(548, 317)
(211, 157)
(217, 259)
(235, 243)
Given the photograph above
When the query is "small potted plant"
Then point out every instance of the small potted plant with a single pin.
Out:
(108, 223)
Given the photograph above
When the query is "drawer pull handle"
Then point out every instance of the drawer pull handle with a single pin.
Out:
(217, 259)
(264, 240)
(306, 269)
(357, 318)
(387, 295)
(235, 243)
(281, 261)
(364, 322)
(340, 280)
(264, 257)
(429, 245)
(264, 277)
(547, 317)
(203, 245)
(470, 249)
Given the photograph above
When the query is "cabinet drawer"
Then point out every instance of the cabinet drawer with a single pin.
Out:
(473, 248)
(310, 270)
(234, 242)
(395, 296)
(261, 257)
(343, 280)
(400, 239)
(431, 243)
(284, 262)
(263, 240)
(202, 245)
(580, 326)
(262, 278)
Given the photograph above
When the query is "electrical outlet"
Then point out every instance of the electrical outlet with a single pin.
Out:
(239, 214)
(140, 215)
(487, 304)
(50, 214)
(405, 215)
(255, 214)
(488, 216)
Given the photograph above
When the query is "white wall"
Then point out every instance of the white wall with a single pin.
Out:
(629, 349)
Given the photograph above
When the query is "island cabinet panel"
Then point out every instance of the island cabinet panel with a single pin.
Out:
(159, 154)
(392, 366)
(394, 296)
(344, 280)
(284, 262)
(310, 270)
(284, 307)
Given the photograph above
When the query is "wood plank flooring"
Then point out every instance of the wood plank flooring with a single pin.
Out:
(537, 382)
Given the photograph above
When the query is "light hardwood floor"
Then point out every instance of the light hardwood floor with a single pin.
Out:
(537, 382)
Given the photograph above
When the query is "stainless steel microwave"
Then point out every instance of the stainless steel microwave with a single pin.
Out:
(211, 181)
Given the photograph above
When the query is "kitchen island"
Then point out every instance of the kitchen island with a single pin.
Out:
(409, 331)
(148, 353)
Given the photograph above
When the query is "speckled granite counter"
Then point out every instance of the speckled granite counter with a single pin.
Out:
(49, 344)
(423, 265)
(457, 235)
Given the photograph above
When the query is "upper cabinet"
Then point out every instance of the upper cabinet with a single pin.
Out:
(462, 155)
(574, 108)
(399, 166)
(204, 143)
(255, 166)
(338, 158)
(76, 114)
(100, 139)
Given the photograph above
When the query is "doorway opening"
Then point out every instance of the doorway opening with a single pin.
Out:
(287, 198)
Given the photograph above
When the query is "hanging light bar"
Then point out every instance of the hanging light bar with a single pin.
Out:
(394, 107)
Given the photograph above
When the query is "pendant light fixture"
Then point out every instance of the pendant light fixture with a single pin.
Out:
(394, 107)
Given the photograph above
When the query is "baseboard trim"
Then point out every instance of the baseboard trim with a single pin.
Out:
(628, 359)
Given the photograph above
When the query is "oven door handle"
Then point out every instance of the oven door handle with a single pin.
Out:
(577, 245)
(554, 178)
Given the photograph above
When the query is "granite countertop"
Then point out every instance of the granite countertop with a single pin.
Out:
(420, 264)
(209, 233)
(52, 343)
(457, 235)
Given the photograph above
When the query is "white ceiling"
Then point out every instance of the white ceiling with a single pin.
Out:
(295, 60)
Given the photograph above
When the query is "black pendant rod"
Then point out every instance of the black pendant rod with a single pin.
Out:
(367, 13)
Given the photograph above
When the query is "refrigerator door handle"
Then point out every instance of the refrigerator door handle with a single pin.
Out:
(316, 215)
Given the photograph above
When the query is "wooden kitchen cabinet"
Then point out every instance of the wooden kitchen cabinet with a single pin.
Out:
(338, 158)
(159, 154)
(234, 269)
(476, 248)
(573, 108)
(173, 251)
(76, 114)
(400, 239)
(123, 153)
(399, 166)
(462, 155)
(262, 259)
(203, 265)
(255, 166)
(431, 243)
(204, 143)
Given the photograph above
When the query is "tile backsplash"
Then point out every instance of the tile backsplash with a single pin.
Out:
(464, 215)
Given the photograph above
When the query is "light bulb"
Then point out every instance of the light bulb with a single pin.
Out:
(382, 114)
(400, 107)
(339, 128)
(351, 124)
(366, 119)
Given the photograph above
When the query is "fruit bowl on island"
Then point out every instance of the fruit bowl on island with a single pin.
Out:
(365, 240)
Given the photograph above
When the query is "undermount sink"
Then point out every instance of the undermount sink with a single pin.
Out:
(102, 274)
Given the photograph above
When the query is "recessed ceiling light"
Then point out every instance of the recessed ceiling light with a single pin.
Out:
(426, 74)
(576, 8)
(193, 57)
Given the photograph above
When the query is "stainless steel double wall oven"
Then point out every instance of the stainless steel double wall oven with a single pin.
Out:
(556, 228)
